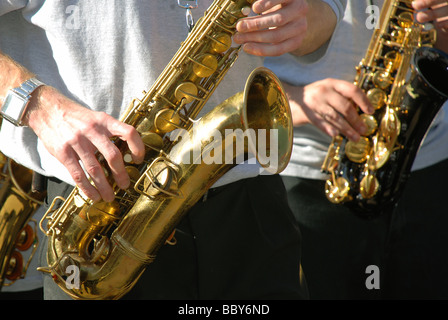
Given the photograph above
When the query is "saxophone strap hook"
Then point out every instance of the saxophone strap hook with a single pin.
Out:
(188, 16)
(190, 20)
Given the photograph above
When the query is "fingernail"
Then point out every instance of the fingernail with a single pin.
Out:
(333, 132)
(237, 38)
(362, 128)
(241, 26)
(124, 185)
(95, 199)
(110, 198)
(354, 136)
(137, 159)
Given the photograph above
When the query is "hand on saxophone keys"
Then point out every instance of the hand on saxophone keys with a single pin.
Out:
(435, 11)
(331, 105)
(280, 27)
(74, 134)
(286, 26)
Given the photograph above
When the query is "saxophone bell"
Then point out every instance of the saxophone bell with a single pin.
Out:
(119, 257)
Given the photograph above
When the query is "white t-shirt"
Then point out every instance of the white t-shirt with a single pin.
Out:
(344, 52)
(102, 56)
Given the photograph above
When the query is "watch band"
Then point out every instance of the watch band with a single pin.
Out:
(17, 100)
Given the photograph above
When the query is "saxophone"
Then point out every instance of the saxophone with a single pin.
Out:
(110, 244)
(405, 80)
(18, 203)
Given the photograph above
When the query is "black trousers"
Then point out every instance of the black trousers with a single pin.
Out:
(242, 242)
(409, 246)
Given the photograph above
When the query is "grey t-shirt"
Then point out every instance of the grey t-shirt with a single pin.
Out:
(102, 55)
(338, 60)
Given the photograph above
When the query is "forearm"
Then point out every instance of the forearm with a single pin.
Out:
(12, 75)
(321, 21)
(295, 97)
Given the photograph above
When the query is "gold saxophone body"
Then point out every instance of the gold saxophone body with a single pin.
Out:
(405, 79)
(112, 243)
(18, 231)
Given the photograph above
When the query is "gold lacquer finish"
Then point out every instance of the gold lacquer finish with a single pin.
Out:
(387, 74)
(369, 186)
(358, 151)
(111, 243)
(18, 232)
(337, 189)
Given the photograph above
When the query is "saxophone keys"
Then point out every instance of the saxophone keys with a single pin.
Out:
(101, 250)
(25, 238)
(80, 199)
(382, 79)
(133, 173)
(377, 98)
(369, 186)
(127, 157)
(387, 136)
(186, 91)
(221, 42)
(358, 151)
(152, 141)
(166, 120)
(337, 190)
(332, 159)
(101, 213)
(245, 11)
(390, 125)
(205, 65)
(380, 156)
(370, 122)
(405, 19)
(428, 37)
(160, 178)
(15, 266)
(392, 60)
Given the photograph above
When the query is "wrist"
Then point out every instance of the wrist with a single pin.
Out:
(34, 104)
(18, 100)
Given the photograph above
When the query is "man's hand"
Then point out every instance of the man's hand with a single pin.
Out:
(331, 105)
(435, 11)
(298, 27)
(280, 27)
(432, 10)
(74, 134)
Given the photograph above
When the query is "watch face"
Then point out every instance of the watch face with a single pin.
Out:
(13, 107)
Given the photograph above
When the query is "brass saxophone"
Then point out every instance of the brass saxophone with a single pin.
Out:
(112, 243)
(405, 80)
(18, 231)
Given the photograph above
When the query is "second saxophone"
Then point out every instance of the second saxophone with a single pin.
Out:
(405, 79)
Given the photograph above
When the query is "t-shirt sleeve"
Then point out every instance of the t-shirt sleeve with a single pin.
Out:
(338, 7)
(11, 5)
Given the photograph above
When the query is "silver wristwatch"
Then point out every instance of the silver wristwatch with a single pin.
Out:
(17, 100)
